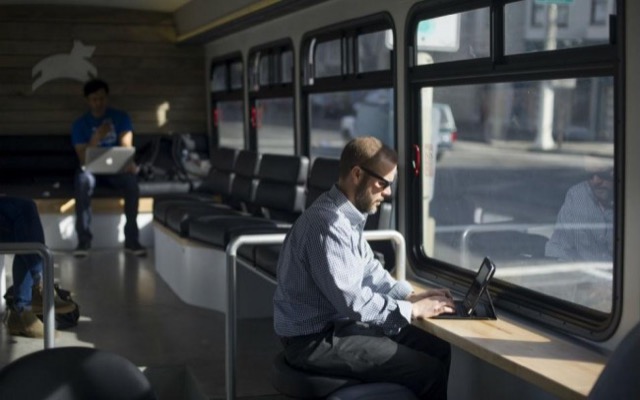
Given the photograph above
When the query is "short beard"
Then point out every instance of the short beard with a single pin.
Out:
(362, 201)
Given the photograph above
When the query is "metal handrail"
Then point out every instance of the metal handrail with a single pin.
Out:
(278, 238)
(47, 282)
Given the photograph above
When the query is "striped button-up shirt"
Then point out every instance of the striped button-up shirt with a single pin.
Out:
(327, 272)
(584, 229)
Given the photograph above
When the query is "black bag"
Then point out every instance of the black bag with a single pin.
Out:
(63, 321)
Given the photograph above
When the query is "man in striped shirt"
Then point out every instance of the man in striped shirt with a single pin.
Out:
(584, 226)
(336, 309)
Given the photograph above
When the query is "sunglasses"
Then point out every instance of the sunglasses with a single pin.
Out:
(382, 181)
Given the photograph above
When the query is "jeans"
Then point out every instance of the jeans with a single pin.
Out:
(20, 222)
(85, 183)
(413, 357)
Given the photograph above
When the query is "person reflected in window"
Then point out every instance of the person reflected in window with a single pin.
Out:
(584, 226)
(104, 126)
(20, 223)
(336, 310)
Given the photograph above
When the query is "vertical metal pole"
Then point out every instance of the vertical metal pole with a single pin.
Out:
(47, 283)
(232, 264)
(230, 349)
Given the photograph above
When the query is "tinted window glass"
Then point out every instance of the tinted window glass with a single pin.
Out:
(374, 51)
(230, 124)
(533, 27)
(528, 182)
(338, 117)
(287, 66)
(454, 37)
(236, 75)
(263, 70)
(327, 59)
(219, 78)
(274, 126)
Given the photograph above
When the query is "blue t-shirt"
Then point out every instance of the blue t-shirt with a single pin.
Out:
(87, 124)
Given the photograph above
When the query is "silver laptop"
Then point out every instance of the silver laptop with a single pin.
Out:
(108, 160)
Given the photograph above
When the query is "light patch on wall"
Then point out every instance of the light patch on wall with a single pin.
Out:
(161, 113)
(72, 66)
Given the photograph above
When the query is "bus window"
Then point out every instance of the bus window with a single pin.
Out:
(359, 101)
(227, 117)
(328, 59)
(219, 78)
(531, 26)
(274, 125)
(441, 39)
(337, 117)
(271, 98)
(286, 67)
(230, 124)
(546, 218)
(533, 179)
(374, 51)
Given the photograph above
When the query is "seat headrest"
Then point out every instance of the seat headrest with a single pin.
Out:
(284, 169)
(324, 173)
(247, 163)
(223, 159)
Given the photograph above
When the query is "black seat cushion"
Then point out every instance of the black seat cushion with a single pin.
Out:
(162, 207)
(70, 373)
(299, 384)
(178, 217)
(219, 230)
(306, 385)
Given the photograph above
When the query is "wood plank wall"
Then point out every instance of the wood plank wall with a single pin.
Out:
(134, 52)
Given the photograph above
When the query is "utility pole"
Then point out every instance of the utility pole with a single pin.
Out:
(544, 134)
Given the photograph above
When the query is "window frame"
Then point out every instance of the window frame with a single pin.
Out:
(275, 88)
(598, 60)
(229, 94)
(350, 78)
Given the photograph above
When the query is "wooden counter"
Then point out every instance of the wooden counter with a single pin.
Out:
(555, 363)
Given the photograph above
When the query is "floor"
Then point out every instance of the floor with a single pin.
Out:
(127, 308)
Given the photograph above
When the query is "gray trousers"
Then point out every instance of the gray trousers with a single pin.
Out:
(413, 357)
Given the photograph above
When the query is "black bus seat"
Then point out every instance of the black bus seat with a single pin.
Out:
(239, 202)
(306, 385)
(217, 183)
(280, 195)
(324, 174)
(71, 373)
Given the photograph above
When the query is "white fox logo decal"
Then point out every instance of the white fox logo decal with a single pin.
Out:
(73, 66)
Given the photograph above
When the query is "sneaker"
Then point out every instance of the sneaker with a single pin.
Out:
(61, 306)
(25, 323)
(82, 250)
(135, 248)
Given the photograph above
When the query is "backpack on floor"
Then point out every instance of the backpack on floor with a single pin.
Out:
(63, 321)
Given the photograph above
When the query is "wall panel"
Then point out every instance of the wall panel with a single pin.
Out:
(134, 52)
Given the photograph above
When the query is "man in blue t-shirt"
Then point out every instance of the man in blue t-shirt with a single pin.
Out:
(103, 126)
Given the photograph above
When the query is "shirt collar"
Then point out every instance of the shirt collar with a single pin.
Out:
(346, 207)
